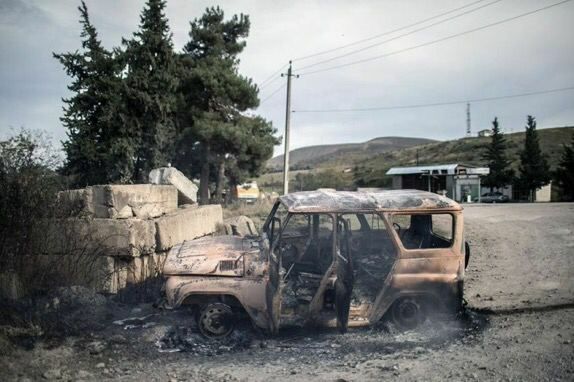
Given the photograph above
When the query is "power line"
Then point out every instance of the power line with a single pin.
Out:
(399, 36)
(385, 33)
(416, 106)
(276, 73)
(272, 94)
(435, 41)
(270, 82)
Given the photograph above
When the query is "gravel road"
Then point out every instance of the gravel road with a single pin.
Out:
(519, 325)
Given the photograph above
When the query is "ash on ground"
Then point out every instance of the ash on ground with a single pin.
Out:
(186, 339)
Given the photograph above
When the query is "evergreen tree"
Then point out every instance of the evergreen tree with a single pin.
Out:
(149, 93)
(90, 115)
(534, 168)
(213, 96)
(565, 172)
(500, 174)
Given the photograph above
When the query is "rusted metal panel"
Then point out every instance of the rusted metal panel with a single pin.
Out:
(240, 267)
(217, 256)
(350, 201)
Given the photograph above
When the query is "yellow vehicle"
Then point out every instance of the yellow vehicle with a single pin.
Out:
(248, 192)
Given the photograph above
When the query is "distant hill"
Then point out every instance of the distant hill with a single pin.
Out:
(343, 154)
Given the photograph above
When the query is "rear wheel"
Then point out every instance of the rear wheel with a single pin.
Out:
(407, 313)
(216, 320)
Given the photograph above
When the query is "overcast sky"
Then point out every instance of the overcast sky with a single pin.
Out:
(529, 54)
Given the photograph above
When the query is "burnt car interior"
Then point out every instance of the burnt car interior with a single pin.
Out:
(306, 248)
(364, 248)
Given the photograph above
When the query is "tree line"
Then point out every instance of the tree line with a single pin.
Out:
(143, 105)
(534, 171)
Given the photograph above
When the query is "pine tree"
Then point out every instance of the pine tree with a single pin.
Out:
(565, 172)
(213, 96)
(534, 168)
(90, 115)
(149, 92)
(500, 174)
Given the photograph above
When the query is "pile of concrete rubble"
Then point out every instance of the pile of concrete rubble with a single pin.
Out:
(134, 226)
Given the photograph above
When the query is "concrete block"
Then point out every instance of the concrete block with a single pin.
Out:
(187, 190)
(142, 201)
(187, 224)
(240, 226)
(128, 237)
(109, 237)
(76, 202)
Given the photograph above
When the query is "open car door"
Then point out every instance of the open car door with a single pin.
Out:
(345, 278)
(273, 290)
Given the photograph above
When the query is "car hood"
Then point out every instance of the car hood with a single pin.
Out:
(210, 256)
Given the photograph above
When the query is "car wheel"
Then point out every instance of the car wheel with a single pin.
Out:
(407, 313)
(216, 320)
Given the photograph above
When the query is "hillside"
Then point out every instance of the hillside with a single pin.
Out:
(466, 150)
(343, 154)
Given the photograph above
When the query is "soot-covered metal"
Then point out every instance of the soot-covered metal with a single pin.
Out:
(349, 262)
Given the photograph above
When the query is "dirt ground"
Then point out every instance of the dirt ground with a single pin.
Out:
(519, 325)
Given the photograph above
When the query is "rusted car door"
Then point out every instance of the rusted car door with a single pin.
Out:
(274, 285)
(345, 278)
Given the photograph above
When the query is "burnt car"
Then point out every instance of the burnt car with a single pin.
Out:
(327, 258)
(493, 197)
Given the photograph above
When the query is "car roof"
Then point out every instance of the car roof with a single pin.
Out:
(353, 201)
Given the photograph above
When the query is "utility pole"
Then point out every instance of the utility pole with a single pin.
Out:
(287, 123)
(468, 132)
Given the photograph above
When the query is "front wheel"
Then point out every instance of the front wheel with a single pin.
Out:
(216, 320)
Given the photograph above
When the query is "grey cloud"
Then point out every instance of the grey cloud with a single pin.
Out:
(532, 53)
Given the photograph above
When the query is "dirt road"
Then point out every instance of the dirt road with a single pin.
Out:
(519, 326)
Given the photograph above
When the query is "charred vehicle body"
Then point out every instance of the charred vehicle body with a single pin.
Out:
(327, 258)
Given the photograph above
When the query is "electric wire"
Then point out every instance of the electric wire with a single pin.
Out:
(272, 94)
(272, 76)
(398, 37)
(270, 82)
(385, 33)
(435, 41)
(423, 105)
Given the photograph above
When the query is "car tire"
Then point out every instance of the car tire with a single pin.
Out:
(407, 313)
(216, 320)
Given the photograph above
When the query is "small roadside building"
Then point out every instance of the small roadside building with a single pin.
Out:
(456, 181)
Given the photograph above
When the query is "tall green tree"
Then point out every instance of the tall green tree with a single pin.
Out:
(149, 93)
(564, 174)
(254, 147)
(213, 96)
(534, 168)
(500, 172)
(91, 114)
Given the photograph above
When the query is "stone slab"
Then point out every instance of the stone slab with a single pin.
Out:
(240, 226)
(142, 201)
(187, 190)
(187, 224)
(109, 237)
